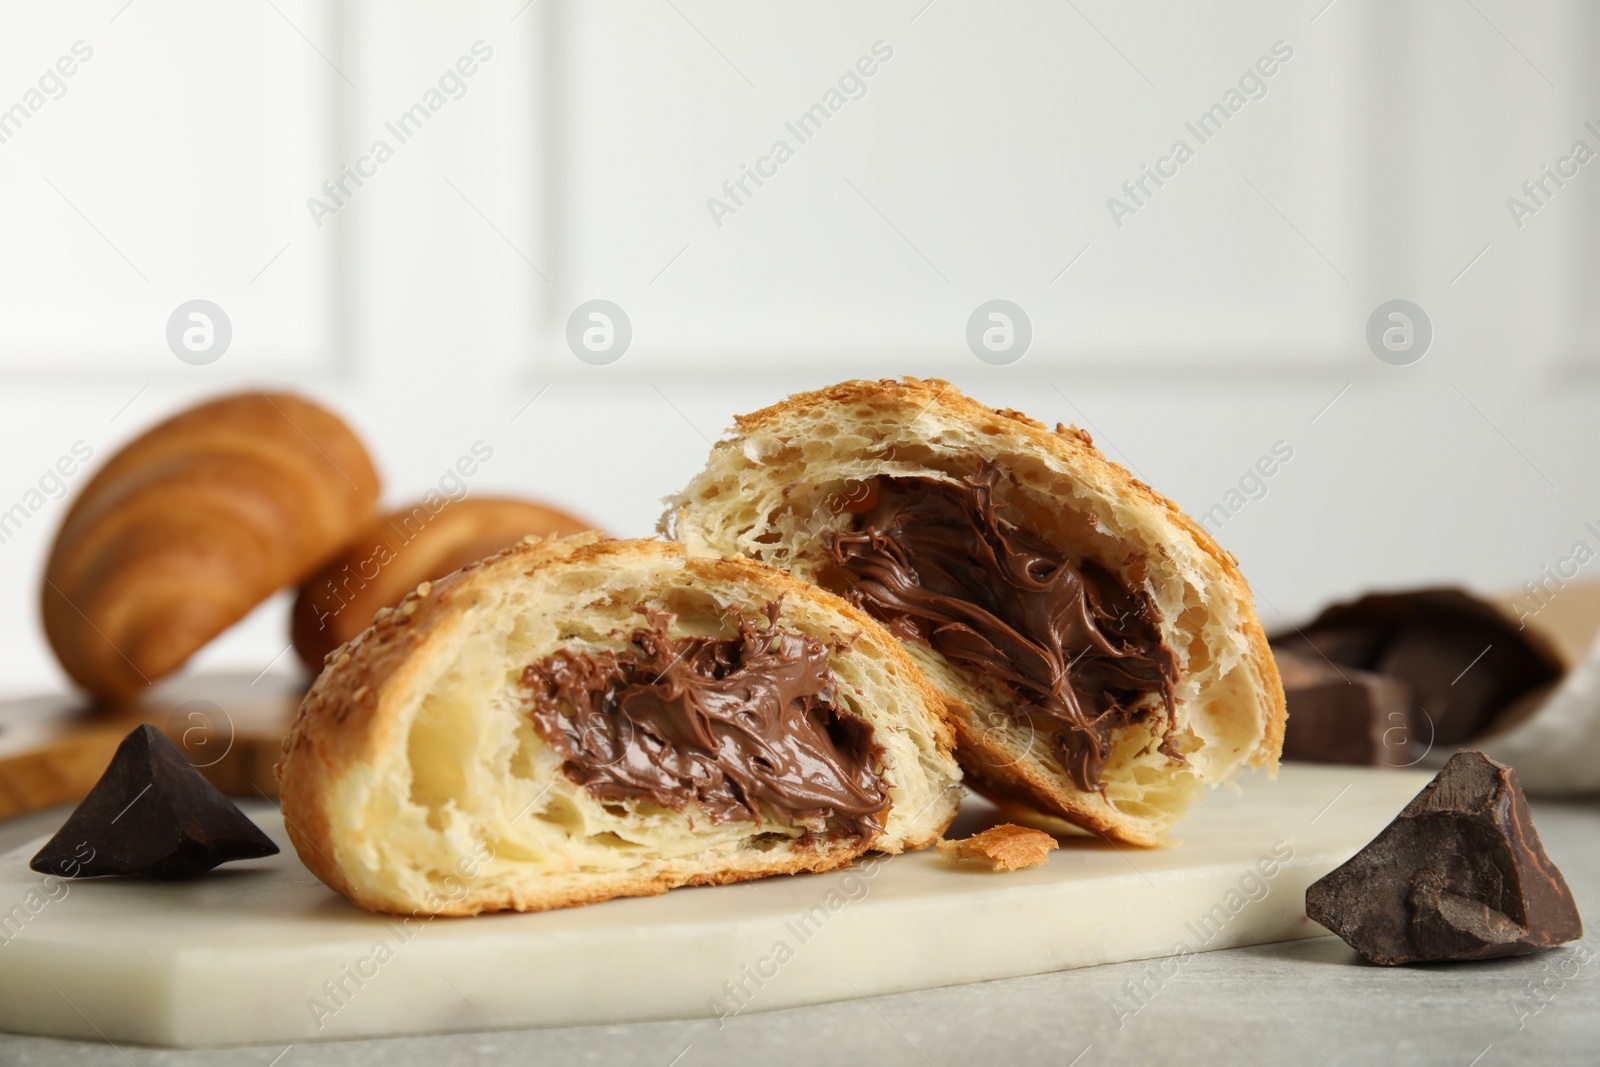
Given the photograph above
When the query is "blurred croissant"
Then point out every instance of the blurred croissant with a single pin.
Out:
(396, 552)
(191, 526)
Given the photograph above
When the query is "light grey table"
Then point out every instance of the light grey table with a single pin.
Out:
(1311, 1002)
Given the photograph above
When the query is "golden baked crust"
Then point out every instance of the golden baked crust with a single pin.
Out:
(395, 552)
(343, 776)
(193, 524)
(1007, 847)
(766, 493)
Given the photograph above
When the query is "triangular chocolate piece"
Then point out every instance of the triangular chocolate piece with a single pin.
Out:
(1459, 875)
(152, 815)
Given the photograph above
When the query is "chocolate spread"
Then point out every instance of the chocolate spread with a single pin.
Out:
(1077, 648)
(730, 723)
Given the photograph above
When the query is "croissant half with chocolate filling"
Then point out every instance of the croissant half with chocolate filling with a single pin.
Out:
(579, 719)
(1100, 655)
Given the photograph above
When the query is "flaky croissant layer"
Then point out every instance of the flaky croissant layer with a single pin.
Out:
(971, 531)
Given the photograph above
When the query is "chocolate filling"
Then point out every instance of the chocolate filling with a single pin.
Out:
(730, 723)
(1078, 649)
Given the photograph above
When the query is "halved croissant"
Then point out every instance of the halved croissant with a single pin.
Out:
(573, 720)
(1099, 653)
(193, 524)
(396, 552)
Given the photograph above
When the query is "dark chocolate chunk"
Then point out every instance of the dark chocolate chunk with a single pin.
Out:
(1345, 715)
(1461, 673)
(152, 815)
(1459, 875)
(1471, 667)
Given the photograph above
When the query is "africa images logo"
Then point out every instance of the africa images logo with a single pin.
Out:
(852, 85)
(1252, 85)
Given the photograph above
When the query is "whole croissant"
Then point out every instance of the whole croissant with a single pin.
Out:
(193, 524)
(396, 552)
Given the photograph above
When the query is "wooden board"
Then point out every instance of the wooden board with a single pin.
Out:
(262, 952)
(53, 749)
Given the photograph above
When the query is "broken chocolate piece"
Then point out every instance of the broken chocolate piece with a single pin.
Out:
(1461, 673)
(1459, 875)
(151, 815)
(1470, 666)
(1345, 715)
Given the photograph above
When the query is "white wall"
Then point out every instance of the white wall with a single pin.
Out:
(1220, 318)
